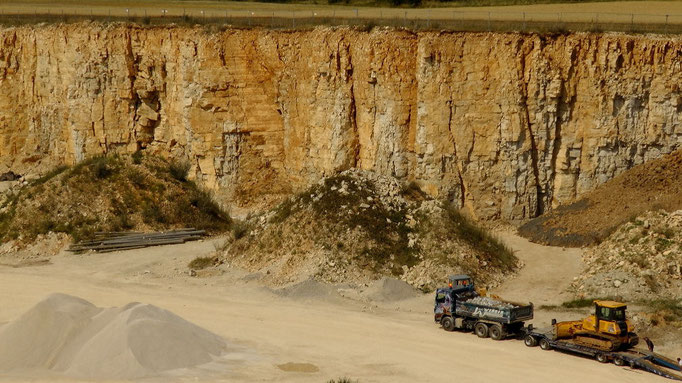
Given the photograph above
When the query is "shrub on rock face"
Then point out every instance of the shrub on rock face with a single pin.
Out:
(179, 170)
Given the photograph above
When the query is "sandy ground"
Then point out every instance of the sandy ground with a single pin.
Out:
(617, 11)
(396, 342)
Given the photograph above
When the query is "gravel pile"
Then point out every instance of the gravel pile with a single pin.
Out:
(642, 259)
(68, 336)
(486, 301)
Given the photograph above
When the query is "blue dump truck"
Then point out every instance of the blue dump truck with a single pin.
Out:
(462, 306)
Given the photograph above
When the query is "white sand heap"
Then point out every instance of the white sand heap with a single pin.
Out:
(70, 336)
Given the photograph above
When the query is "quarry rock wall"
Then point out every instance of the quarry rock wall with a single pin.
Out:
(506, 125)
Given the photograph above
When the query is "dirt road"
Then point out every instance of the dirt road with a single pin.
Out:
(547, 273)
(341, 339)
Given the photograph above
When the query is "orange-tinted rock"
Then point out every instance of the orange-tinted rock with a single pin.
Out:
(505, 124)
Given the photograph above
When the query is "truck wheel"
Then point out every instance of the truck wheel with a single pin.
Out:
(530, 341)
(481, 330)
(601, 357)
(448, 324)
(619, 361)
(496, 332)
(544, 344)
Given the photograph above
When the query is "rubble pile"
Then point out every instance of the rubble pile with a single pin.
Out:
(642, 259)
(357, 227)
(487, 301)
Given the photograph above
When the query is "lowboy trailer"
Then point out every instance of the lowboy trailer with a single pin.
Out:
(633, 357)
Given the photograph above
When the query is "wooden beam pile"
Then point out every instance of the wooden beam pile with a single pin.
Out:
(106, 242)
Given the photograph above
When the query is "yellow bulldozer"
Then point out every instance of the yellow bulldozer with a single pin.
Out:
(608, 329)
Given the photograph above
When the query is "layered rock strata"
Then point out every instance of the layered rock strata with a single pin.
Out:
(507, 125)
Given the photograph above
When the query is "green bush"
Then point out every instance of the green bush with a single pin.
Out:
(203, 200)
(342, 380)
(578, 303)
(101, 168)
(137, 177)
(179, 170)
(50, 175)
(137, 157)
(671, 308)
(477, 237)
(283, 210)
(202, 262)
(240, 229)
(413, 192)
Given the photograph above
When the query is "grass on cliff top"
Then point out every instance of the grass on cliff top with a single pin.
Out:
(277, 14)
(154, 6)
(111, 193)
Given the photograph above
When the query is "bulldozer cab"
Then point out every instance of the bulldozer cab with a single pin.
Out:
(610, 318)
(610, 311)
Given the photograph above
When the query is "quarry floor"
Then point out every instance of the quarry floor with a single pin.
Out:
(370, 342)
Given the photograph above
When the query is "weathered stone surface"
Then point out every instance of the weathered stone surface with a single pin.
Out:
(507, 125)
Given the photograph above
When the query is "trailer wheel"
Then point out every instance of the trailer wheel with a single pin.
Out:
(448, 323)
(481, 330)
(544, 344)
(496, 332)
(601, 357)
(619, 361)
(530, 341)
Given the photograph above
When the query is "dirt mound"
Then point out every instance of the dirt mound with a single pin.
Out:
(40, 250)
(70, 336)
(641, 260)
(309, 289)
(656, 184)
(390, 290)
(357, 227)
(112, 193)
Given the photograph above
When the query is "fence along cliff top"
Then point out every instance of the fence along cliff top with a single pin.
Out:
(560, 18)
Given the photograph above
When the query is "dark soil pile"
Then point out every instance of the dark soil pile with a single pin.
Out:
(654, 185)
(112, 193)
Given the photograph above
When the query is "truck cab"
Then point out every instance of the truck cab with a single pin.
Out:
(459, 287)
(461, 283)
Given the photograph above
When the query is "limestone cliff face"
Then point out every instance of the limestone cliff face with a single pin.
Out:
(507, 125)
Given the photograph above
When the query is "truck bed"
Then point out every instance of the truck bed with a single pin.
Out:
(494, 310)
